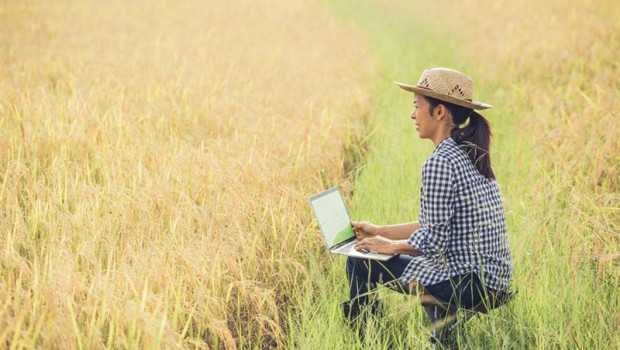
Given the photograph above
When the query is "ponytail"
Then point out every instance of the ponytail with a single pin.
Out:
(474, 138)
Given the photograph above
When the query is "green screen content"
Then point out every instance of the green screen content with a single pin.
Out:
(333, 218)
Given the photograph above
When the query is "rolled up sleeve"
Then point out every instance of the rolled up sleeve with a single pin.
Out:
(436, 207)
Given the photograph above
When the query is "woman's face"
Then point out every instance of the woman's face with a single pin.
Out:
(426, 125)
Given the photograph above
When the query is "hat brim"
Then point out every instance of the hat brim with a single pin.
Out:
(457, 101)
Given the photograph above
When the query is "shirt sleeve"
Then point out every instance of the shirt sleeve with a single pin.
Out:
(436, 207)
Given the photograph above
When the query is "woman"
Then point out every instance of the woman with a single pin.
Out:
(459, 247)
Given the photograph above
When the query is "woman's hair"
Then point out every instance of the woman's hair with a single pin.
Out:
(474, 138)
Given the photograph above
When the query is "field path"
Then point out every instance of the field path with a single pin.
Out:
(550, 69)
(155, 160)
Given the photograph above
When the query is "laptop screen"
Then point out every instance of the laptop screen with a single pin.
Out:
(332, 216)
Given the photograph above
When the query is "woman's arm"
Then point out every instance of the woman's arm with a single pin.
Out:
(437, 201)
(380, 244)
(365, 229)
(399, 231)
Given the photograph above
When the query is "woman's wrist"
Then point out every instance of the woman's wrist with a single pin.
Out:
(378, 231)
(381, 231)
(394, 248)
(402, 247)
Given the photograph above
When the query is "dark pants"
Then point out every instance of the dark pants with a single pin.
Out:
(463, 290)
(364, 275)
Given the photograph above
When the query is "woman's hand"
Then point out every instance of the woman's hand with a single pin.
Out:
(376, 244)
(364, 229)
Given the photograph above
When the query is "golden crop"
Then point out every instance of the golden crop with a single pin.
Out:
(156, 157)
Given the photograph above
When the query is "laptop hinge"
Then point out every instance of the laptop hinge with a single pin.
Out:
(341, 244)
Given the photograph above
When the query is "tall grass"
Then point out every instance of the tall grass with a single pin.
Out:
(551, 71)
(155, 160)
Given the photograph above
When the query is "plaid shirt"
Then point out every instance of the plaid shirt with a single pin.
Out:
(463, 227)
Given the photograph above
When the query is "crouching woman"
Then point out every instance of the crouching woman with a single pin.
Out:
(459, 248)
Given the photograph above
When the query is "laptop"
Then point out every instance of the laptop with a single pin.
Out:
(335, 225)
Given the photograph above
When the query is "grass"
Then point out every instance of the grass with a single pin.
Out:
(551, 73)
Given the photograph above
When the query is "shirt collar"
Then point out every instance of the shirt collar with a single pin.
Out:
(443, 143)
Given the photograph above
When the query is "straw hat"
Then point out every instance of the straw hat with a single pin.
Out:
(446, 85)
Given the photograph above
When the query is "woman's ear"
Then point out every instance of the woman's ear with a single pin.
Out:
(440, 112)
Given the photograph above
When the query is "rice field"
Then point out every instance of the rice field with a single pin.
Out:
(156, 159)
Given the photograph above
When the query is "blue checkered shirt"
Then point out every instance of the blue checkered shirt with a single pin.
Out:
(463, 227)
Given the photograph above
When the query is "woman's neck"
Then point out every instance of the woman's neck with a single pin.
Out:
(441, 135)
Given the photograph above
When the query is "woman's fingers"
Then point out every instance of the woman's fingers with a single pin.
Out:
(362, 244)
(362, 229)
(357, 229)
(360, 234)
(357, 232)
(375, 244)
(357, 224)
(366, 243)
